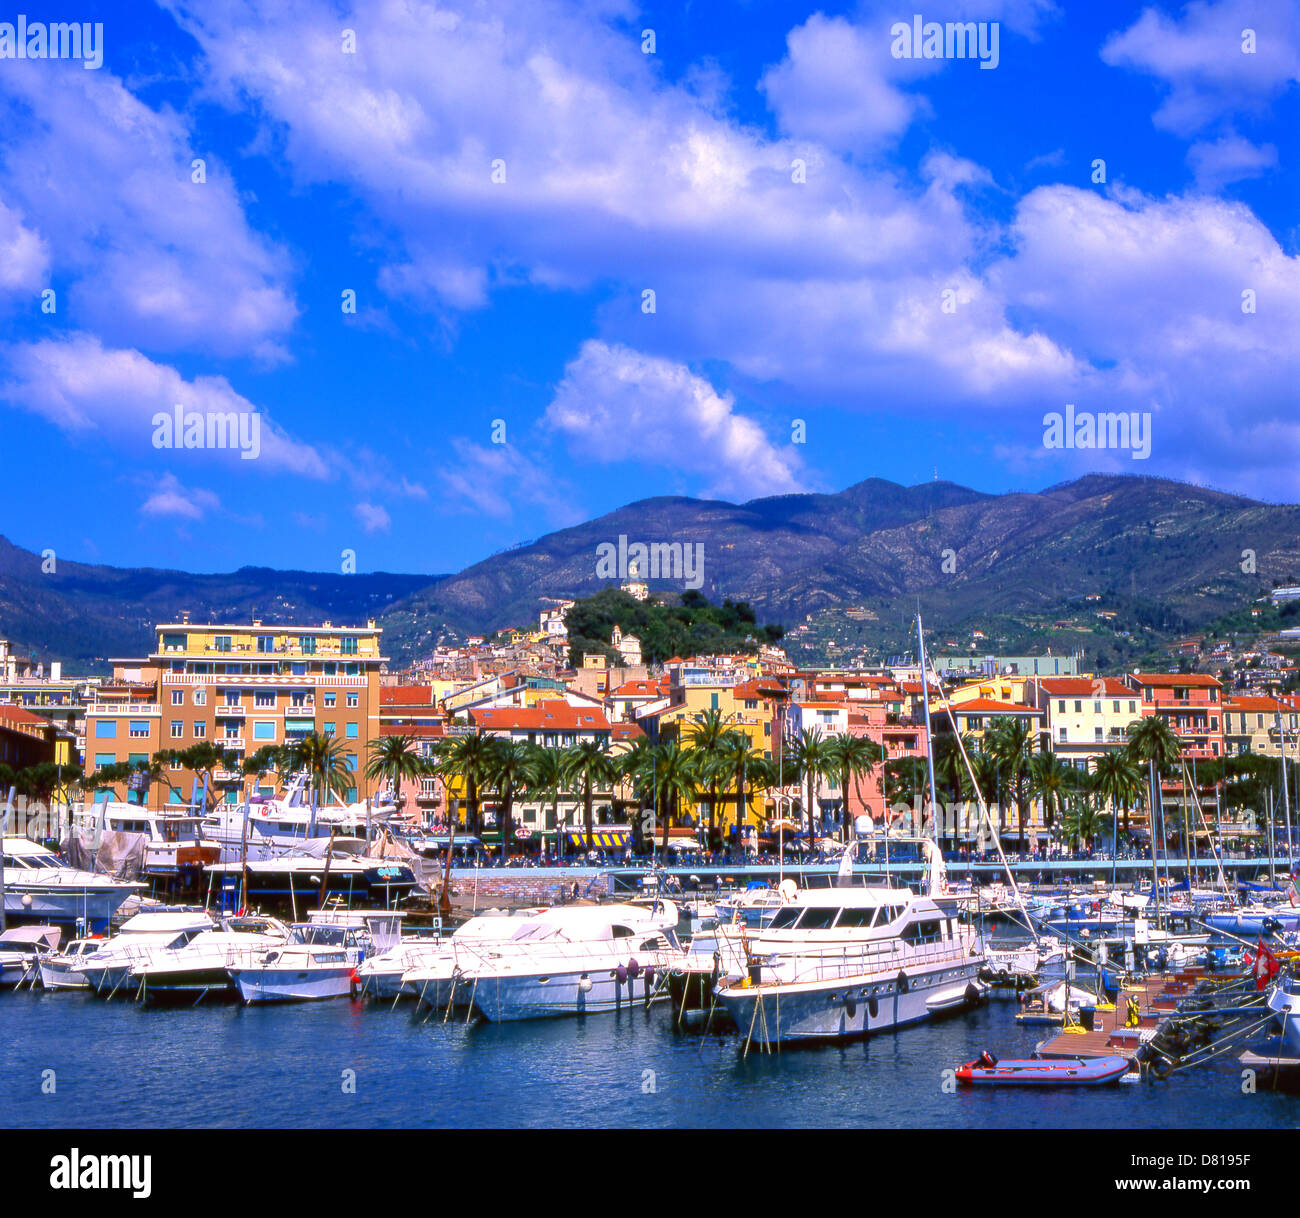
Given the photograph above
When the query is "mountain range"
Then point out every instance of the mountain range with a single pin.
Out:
(1175, 555)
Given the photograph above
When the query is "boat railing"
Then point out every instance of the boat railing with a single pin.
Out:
(831, 962)
(536, 954)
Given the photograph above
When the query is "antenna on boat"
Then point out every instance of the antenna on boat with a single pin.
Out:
(4, 827)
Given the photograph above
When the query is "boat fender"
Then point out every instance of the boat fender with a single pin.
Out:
(584, 984)
(1161, 1067)
(850, 1007)
(972, 993)
(621, 973)
(1271, 925)
(902, 982)
(873, 1006)
(649, 975)
(633, 968)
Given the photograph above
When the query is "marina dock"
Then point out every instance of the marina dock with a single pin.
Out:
(1156, 998)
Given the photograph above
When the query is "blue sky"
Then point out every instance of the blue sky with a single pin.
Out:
(520, 300)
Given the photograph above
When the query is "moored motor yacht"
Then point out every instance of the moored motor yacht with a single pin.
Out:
(61, 970)
(200, 968)
(40, 887)
(575, 960)
(108, 967)
(319, 960)
(436, 978)
(21, 948)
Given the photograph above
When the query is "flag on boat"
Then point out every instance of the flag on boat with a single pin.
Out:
(1263, 965)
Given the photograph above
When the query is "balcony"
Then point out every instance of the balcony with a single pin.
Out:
(123, 710)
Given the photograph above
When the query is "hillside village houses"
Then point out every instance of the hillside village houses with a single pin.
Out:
(243, 686)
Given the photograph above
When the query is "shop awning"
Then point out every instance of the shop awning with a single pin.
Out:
(601, 839)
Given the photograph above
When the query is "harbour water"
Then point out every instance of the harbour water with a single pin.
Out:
(125, 1065)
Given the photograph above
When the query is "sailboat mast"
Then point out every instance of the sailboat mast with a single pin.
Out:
(929, 738)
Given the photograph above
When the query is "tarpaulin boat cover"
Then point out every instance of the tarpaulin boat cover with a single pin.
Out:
(120, 855)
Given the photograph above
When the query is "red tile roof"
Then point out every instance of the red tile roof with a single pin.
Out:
(406, 695)
(1085, 687)
(17, 714)
(992, 705)
(1170, 679)
(551, 715)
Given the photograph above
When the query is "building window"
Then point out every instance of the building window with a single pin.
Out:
(200, 697)
(1097, 735)
(307, 644)
(173, 642)
(200, 730)
(298, 669)
(265, 643)
(354, 699)
(221, 642)
(348, 645)
(103, 759)
(1060, 705)
(264, 729)
(352, 731)
(1078, 706)
(262, 699)
(178, 729)
(105, 729)
(1096, 708)
(1132, 706)
(328, 729)
(232, 697)
(330, 699)
(178, 697)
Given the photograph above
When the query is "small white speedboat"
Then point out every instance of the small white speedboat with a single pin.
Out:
(20, 949)
(319, 961)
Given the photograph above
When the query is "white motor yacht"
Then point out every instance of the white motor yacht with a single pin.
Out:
(21, 948)
(62, 970)
(434, 979)
(575, 960)
(39, 886)
(200, 968)
(319, 960)
(108, 968)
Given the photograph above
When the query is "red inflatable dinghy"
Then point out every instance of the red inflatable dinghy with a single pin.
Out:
(1044, 1071)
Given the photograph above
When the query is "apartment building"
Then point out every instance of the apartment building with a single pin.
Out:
(1192, 703)
(240, 687)
(1085, 716)
(1250, 725)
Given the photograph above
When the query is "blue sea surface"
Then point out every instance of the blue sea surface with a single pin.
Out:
(124, 1065)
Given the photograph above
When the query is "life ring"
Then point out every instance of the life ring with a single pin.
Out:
(1161, 1067)
(902, 982)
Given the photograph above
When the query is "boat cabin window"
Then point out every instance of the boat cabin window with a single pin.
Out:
(921, 932)
(784, 919)
(818, 919)
(857, 919)
(622, 932)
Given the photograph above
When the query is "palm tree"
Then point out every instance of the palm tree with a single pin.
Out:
(811, 762)
(467, 757)
(393, 758)
(1152, 741)
(636, 766)
(1117, 780)
(851, 758)
(1082, 820)
(738, 761)
(325, 759)
(549, 778)
(510, 770)
(706, 737)
(1050, 779)
(675, 778)
(1011, 744)
(589, 767)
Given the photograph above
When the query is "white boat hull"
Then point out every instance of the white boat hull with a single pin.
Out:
(849, 1007)
(501, 999)
(61, 977)
(293, 984)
